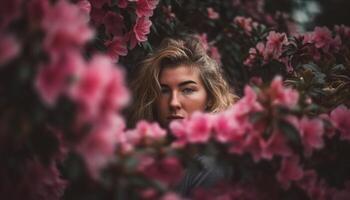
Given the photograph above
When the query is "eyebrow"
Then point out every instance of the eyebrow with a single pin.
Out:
(181, 84)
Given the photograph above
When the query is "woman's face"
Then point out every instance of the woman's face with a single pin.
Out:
(182, 93)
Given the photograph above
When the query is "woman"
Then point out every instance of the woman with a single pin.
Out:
(174, 82)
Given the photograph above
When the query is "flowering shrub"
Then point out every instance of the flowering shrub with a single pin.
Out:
(62, 90)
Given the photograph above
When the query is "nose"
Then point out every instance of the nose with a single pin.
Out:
(174, 103)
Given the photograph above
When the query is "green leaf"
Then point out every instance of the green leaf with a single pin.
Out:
(291, 132)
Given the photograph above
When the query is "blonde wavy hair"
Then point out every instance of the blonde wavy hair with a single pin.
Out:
(171, 53)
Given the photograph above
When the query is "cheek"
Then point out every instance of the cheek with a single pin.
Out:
(161, 106)
(198, 102)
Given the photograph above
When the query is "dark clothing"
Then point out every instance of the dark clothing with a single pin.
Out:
(207, 174)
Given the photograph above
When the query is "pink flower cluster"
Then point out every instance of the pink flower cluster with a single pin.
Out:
(35, 180)
(98, 147)
(9, 48)
(247, 24)
(168, 170)
(259, 138)
(144, 133)
(212, 14)
(96, 86)
(271, 50)
(317, 188)
(234, 126)
(223, 191)
(340, 117)
(323, 42)
(210, 48)
(66, 27)
(118, 37)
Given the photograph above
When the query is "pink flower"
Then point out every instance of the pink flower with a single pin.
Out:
(53, 80)
(114, 23)
(65, 27)
(116, 47)
(97, 16)
(171, 196)
(144, 8)
(342, 30)
(276, 144)
(289, 171)
(281, 95)
(226, 191)
(145, 133)
(212, 14)
(254, 53)
(123, 3)
(335, 44)
(89, 90)
(198, 127)
(340, 118)
(84, 6)
(116, 94)
(322, 38)
(179, 131)
(168, 170)
(230, 126)
(98, 147)
(38, 181)
(150, 130)
(274, 44)
(167, 10)
(203, 40)
(311, 132)
(246, 24)
(140, 31)
(215, 54)
(248, 103)
(9, 48)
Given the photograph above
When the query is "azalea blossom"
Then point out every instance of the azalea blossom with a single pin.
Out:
(144, 8)
(311, 132)
(167, 10)
(212, 14)
(53, 79)
(274, 44)
(123, 3)
(98, 147)
(289, 171)
(340, 118)
(116, 47)
(282, 95)
(168, 170)
(89, 89)
(204, 41)
(114, 23)
(215, 54)
(65, 27)
(198, 127)
(246, 24)
(84, 6)
(9, 48)
(140, 31)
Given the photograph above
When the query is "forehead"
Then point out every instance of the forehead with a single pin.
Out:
(179, 73)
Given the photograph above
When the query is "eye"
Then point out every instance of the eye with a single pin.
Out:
(187, 90)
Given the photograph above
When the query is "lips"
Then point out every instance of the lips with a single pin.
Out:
(174, 117)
